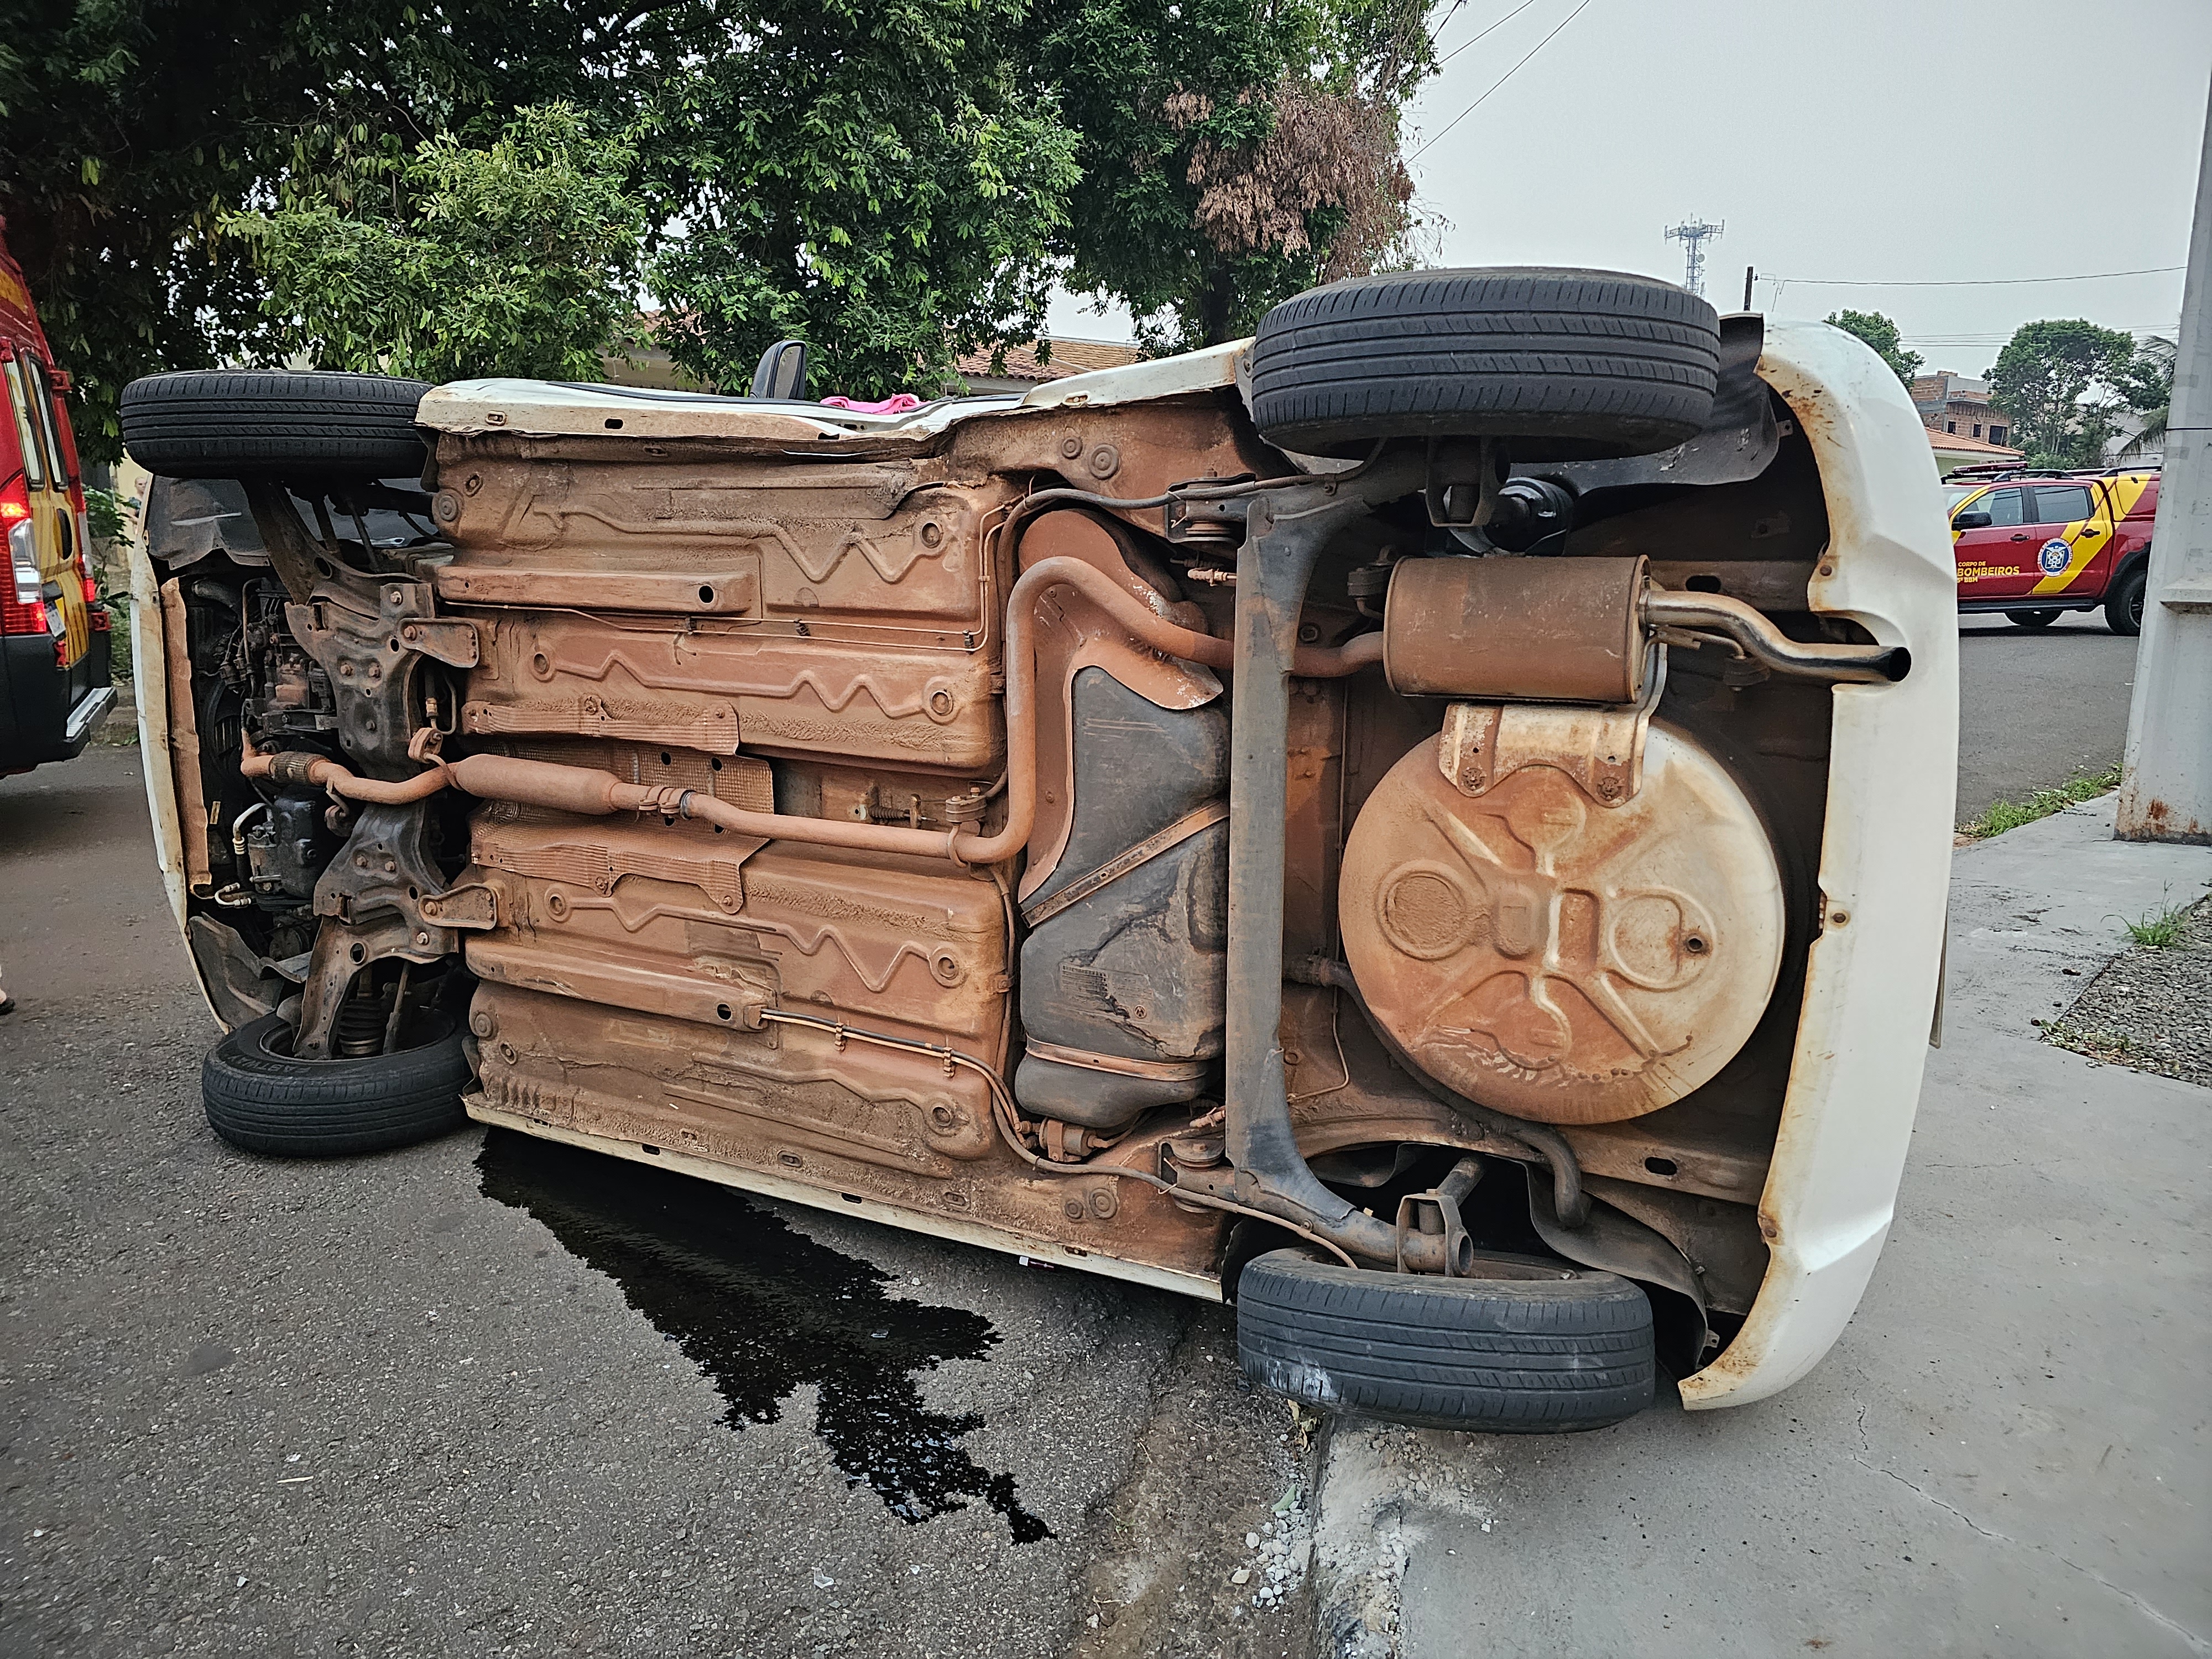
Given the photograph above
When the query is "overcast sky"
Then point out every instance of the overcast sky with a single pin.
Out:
(1899, 141)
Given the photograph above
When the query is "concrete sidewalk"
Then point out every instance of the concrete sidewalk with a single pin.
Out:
(2005, 1454)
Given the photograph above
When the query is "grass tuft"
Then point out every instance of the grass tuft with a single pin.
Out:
(2010, 815)
(2161, 929)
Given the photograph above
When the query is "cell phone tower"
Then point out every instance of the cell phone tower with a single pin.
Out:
(1692, 235)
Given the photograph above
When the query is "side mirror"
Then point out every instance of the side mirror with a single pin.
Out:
(1971, 521)
(782, 371)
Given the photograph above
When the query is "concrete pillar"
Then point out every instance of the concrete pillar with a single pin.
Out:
(2166, 778)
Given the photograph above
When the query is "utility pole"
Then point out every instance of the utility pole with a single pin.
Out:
(2165, 778)
(1692, 233)
(1748, 273)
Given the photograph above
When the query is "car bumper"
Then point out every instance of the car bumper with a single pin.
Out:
(1864, 1026)
(49, 714)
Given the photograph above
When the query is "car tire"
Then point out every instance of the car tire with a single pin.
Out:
(1564, 1350)
(230, 423)
(2123, 606)
(1570, 364)
(261, 1098)
(2032, 619)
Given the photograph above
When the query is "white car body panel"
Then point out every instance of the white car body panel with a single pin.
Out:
(1885, 867)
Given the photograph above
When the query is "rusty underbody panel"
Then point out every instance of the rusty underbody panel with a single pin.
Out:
(781, 832)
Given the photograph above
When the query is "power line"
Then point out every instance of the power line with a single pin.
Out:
(1973, 282)
(1493, 29)
(1952, 343)
(1499, 82)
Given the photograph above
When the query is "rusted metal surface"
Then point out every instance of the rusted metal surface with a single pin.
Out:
(1284, 540)
(1550, 953)
(184, 743)
(1557, 631)
(1483, 745)
(797, 1104)
(1758, 638)
(816, 928)
(1074, 631)
(746, 748)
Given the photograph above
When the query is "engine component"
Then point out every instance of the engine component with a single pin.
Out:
(288, 846)
(1121, 975)
(1556, 953)
(1557, 631)
(289, 694)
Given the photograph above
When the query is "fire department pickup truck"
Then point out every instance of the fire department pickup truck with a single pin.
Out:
(2036, 544)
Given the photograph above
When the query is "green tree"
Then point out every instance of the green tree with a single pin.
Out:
(2148, 386)
(519, 257)
(889, 179)
(2058, 380)
(1232, 153)
(125, 128)
(128, 128)
(1879, 332)
(885, 183)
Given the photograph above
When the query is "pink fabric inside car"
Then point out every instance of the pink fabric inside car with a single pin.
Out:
(897, 404)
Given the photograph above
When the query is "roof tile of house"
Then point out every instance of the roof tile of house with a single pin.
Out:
(1959, 443)
(1068, 358)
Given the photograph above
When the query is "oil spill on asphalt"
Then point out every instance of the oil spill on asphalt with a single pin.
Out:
(761, 1309)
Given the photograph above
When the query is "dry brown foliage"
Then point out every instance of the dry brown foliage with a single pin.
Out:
(1326, 149)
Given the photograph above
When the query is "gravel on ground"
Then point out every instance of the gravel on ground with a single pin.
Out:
(2150, 1009)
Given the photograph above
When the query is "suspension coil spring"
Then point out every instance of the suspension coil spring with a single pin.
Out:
(360, 1030)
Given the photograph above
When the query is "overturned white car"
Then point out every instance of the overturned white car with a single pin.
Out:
(1432, 823)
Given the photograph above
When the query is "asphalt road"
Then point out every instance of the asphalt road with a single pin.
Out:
(370, 1406)
(2036, 708)
(453, 1400)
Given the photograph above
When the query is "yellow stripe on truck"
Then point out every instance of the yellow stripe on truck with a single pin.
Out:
(2115, 502)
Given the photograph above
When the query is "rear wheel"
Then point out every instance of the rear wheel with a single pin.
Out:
(1570, 364)
(1562, 1350)
(263, 1098)
(226, 423)
(2123, 606)
(2031, 619)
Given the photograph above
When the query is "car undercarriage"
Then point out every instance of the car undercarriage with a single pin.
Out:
(1167, 824)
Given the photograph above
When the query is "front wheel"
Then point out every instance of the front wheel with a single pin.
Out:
(2123, 606)
(241, 423)
(261, 1097)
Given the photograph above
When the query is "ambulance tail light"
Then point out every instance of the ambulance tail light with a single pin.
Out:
(22, 597)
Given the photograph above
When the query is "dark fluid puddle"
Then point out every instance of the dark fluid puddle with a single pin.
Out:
(761, 1309)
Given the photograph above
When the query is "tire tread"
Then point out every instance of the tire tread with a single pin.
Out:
(271, 1104)
(1584, 358)
(1500, 1355)
(236, 422)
